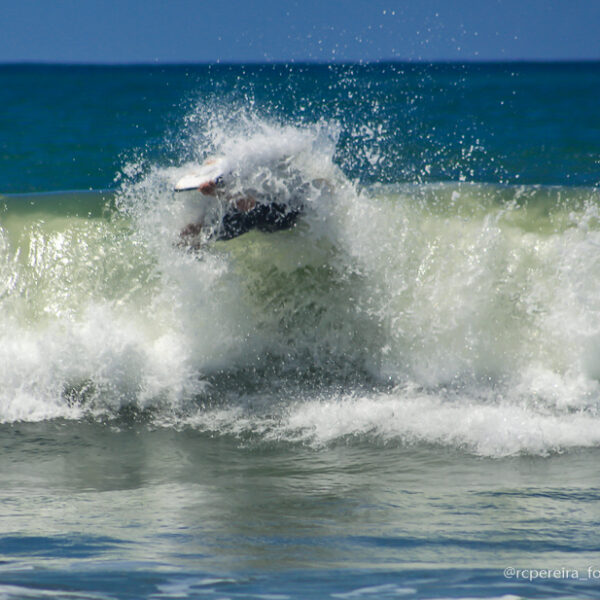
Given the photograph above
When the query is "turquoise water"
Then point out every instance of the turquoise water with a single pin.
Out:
(397, 398)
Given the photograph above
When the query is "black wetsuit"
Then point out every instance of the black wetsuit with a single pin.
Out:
(264, 217)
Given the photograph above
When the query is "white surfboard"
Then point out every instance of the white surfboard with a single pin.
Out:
(211, 170)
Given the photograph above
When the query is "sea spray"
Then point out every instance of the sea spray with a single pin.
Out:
(399, 313)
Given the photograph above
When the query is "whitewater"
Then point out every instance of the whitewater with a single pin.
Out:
(458, 314)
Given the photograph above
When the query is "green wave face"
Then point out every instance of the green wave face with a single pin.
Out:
(472, 291)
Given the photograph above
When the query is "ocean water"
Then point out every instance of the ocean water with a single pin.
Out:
(397, 398)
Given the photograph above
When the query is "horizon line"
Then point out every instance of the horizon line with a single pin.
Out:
(472, 61)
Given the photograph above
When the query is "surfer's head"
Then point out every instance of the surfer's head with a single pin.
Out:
(210, 187)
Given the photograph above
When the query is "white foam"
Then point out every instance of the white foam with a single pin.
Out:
(499, 429)
(473, 316)
(495, 427)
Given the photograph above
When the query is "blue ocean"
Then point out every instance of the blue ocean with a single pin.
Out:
(398, 397)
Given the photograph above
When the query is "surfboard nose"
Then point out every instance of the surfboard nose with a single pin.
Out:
(212, 171)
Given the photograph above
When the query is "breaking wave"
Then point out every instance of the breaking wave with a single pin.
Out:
(458, 314)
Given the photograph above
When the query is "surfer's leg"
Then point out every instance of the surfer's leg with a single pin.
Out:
(235, 223)
(274, 217)
(264, 217)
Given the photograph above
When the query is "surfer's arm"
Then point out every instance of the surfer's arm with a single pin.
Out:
(191, 229)
(188, 236)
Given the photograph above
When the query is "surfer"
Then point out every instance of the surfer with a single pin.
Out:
(242, 211)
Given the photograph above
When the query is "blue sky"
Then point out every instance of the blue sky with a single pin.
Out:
(172, 31)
